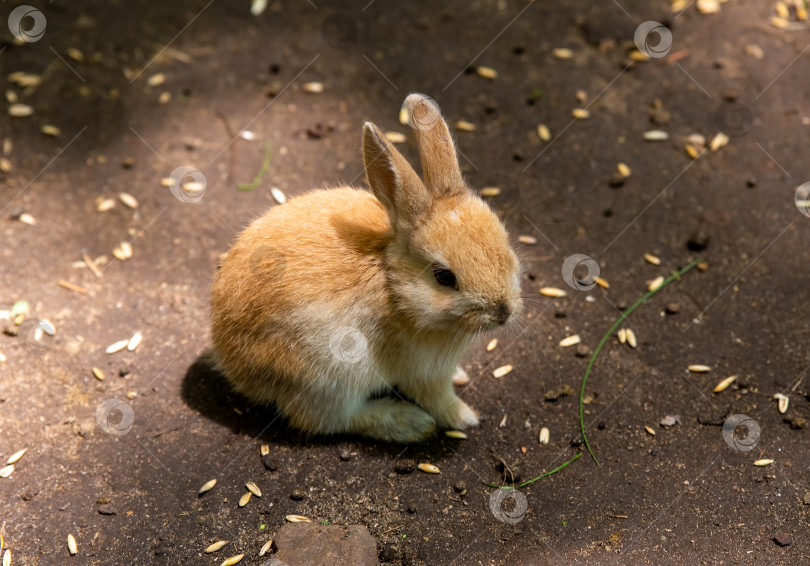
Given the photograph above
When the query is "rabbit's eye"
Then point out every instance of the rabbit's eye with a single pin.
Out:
(445, 277)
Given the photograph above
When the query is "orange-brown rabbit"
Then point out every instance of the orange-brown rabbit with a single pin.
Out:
(338, 296)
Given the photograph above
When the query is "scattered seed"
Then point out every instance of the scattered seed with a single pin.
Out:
(552, 292)
(570, 341)
(165, 97)
(718, 141)
(20, 110)
(698, 368)
(490, 191)
(403, 116)
(502, 371)
(492, 344)
(455, 434)
(562, 53)
(631, 338)
(544, 435)
(244, 499)
(207, 486)
(16, 456)
(297, 519)
(3, 358)
(313, 87)
(98, 374)
(703, 266)
(116, 346)
(580, 114)
(257, 7)
(691, 151)
(264, 450)
(5, 165)
(193, 188)
(622, 336)
(75, 54)
(602, 283)
(166, 182)
(277, 195)
(723, 385)
(233, 560)
(395, 137)
(135, 341)
(638, 56)
(655, 283)
(156, 80)
(26, 218)
(131, 394)
(656, 135)
(71, 542)
(105, 204)
(88, 261)
(216, 546)
(123, 251)
(783, 404)
(50, 130)
(652, 259)
(530, 240)
(754, 51)
(487, 72)
(6, 471)
(782, 10)
(72, 287)
(128, 200)
(544, 132)
(503, 421)
(623, 170)
(11, 97)
(7, 558)
(649, 430)
(253, 488)
(465, 126)
(763, 462)
(428, 468)
(266, 547)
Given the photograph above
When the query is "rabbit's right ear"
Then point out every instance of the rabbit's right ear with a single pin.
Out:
(392, 179)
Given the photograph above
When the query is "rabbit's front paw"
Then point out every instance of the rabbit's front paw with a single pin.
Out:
(459, 417)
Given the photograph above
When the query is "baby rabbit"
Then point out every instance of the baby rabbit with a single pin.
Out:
(327, 303)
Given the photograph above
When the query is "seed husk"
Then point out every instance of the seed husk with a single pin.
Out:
(691, 150)
(783, 402)
(465, 126)
(7, 558)
(718, 141)
(166, 182)
(72, 548)
(207, 486)
(428, 468)
(267, 546)
(544, 132)
(116, 346)
(570, 341)
(492, 344)
(403, 116)
(723, 385)
(233, 560)
(502, 371)
(631, 338)
(544, 435)
(529, 240)
(123, 251)
(395, 137)
(655, 260)
(5, 165)
(455, 434)
(72, 287)
(654, 284)
(622, 334)
(487, 72)
(105, 204)
(490, 191)
(135, 341)
(264, 450)
(244, 499)
(297, 519)
(580, 113)
(656, 135)
(623, 170)
(216, 546)
(562, 53)
(313, 87)
(649, 430)
(50, 130)
(7, 471)
(699, 368)
(552, 292)
(20, 110)
(26, 218)
(193, 188)
(98, 374)
(156, 80)
(75, 54)
(638, 56)
(253, 488)
(764, 462)
(128, 200)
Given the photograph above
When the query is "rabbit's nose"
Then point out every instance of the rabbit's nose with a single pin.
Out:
(501, 313)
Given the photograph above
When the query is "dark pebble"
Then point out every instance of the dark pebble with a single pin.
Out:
(653, 452)
(621, 305)
(269, 463)
(697, 243)
(298, 495)
(796, 423)
(751, 183)
(345, 455)
(459, 486)
(412, 509)
(16, 212)
(582, 351)
(576, 443)
(783, 539)
(107, 509)
(560, 314)
(601, 426)
(404, 466)
(672, 308)
(616, 180)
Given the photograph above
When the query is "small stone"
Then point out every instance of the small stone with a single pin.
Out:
(412, 509)
(601, 426)
(616, 180)
(316, 545)
(582, 351)
(459, 486)
(796, 423)
(107, 508)
(298, 495)
(404, 466)
(751, 183)
(783, 539)
(269, 463)
(555, 394)
(345, 455)
(672, 308)
(621, 305)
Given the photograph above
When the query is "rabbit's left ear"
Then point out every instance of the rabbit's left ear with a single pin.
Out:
(392, 179)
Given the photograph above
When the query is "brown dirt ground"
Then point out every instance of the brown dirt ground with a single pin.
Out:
(681, 496)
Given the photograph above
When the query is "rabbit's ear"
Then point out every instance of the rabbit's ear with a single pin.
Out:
(392, 179)
(436, 148)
